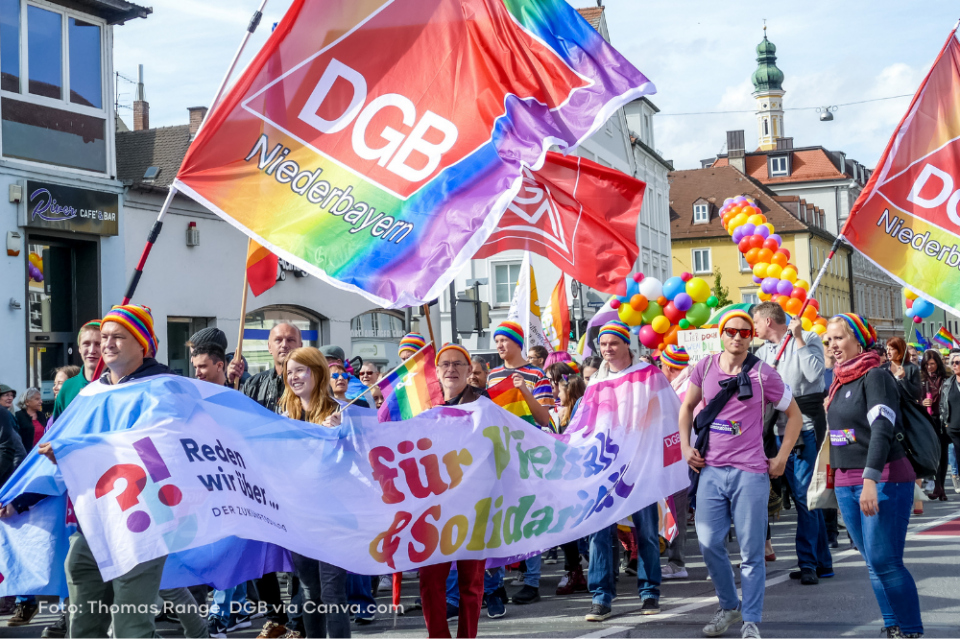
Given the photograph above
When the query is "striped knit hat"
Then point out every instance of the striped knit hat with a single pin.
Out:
(92, 324)
(511, 330)
(453, 347)
(412, 342)
(137, 319)
(729, 315)
(675, 356)
(619, 329)
(861, 329)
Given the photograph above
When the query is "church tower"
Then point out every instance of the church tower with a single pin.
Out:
(768, 92)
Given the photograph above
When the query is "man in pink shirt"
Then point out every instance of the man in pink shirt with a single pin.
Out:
(735, 473)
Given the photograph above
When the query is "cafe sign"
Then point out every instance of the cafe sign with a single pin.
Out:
(65, 208)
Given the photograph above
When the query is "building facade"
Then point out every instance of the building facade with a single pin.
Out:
(702, 246)
(64, 218)
(826, 179)
(625, 143)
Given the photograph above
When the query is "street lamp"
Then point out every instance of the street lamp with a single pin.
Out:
(826, 113)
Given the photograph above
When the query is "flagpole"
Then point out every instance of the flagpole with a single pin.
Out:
(158, 224)
(426, 312)
(238, 354)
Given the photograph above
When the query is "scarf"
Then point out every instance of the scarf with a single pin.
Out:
(846, 372)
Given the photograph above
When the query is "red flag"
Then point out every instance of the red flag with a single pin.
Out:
(261, 268)
(580, 215)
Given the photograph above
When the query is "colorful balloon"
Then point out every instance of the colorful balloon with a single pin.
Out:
(760, 269)
(917, 319)
(922, 308)
(713, 301)
(789, 274)
(763, 231)
(683, 302)
(806, 324)
(684, 324)
(670, 337)
(765, 255)
(798, 293)
(649, 337)
(752, 255)
(793, 305)
(819, 329)
(769, 285)
(698, 289)
(910, 294)
(672, 313)
(651, 288)
(660, 324)
(804, 284)
(653, 310)
(784, 287)
(673, 286)
(779, 259)
(756, 241)
(743, 244)
(639, 302)
(747, 229)
(777, 238)
(629, 315)
(774, 271)
(698, 314)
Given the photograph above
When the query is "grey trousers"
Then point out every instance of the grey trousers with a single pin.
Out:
(135, 593)
(675, 550)
(182, 603)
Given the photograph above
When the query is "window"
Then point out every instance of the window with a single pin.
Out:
(377, 325)
(749, 298)
(505, 277)
(701, 261)
(701, 213)
(778, 166)
(58, 115)
(766, 128)
(743, 263)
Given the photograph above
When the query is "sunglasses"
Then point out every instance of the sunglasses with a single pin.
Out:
(339, 376)
(745, 333)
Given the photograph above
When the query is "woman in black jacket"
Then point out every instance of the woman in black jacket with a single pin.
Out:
(31, 420)
(932, 375)
(874, 479)
(904, 371)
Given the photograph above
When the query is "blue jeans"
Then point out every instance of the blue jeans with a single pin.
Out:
(534, 566)
(492, 581)
(881, 539)
(726, 493)
(600, 581)
(223, 600)
(360, 593)
(647, 531)
(813, 551)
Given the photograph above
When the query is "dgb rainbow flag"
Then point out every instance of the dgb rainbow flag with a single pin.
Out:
(945, 338)
(411, 388)
(377, 143)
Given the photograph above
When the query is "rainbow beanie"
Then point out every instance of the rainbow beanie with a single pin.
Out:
(861, 329)
(138, 319)
(511, 330)
(675, 357)
(412, 342)
(617, 328)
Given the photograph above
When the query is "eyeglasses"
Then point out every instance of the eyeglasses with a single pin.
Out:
(445, 366)
(745, 333)
(339, 376)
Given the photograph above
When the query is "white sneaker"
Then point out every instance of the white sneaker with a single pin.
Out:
(749, 631)
(721, 622)
(386, 583)
(672, 571)
(564, 580)
(956, 483)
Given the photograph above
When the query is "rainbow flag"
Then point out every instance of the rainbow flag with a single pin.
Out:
(299, 156)
(945, 338)
(261, 268)
(508, 397)
(411, 388)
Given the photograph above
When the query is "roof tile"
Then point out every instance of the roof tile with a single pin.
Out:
(164, 147)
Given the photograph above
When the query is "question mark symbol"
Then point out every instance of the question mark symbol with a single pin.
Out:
(136, 478)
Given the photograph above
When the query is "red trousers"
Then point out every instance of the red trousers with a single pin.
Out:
(433, 593)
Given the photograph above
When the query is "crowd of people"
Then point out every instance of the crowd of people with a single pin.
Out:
(752, 425)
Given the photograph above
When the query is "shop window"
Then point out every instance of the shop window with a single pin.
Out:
(257, 327)
(505, 277)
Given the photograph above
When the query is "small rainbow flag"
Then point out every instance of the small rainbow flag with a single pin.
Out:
(261, 268)
(411, 388)
(945, 338)
(508, 397)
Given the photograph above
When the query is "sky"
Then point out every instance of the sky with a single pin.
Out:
(699, 54)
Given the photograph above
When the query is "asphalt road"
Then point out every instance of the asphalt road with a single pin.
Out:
(841, 606)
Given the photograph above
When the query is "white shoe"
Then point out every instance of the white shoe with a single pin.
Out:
(671, 571)
(956, 483)
(721, 622)
(564, 580)
(749, 631)
(386, 583)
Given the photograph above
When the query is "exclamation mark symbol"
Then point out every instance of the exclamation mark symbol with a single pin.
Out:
(168, 495)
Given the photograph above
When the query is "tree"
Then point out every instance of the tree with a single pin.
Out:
(720, 291)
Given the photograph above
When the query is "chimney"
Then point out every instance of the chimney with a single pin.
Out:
(197, 114)
(735, 151)
(784, 144)
(141, 108)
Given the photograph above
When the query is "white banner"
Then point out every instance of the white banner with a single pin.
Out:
(463, 482)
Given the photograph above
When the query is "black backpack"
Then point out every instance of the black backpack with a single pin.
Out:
(917, 436)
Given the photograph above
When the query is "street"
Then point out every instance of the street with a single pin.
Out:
(841, 606)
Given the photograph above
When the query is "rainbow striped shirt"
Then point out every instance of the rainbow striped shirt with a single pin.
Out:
(535, 378)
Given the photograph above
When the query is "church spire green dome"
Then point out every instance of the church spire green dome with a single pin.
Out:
(767, 76)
